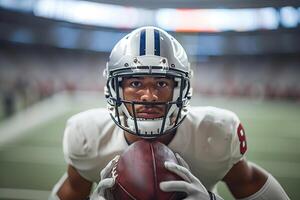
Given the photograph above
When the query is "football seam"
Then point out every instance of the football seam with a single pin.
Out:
(130, 195)
(154, 170)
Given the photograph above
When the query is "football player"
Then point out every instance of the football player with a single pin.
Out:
(148, 91)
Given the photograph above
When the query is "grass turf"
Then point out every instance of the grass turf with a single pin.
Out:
(35, 160)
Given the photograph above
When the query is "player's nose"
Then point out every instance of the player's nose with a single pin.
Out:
(149, 95)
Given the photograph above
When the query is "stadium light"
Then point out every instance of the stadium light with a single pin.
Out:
(216, 20)
(91, 13)
(289, 17)
(185, 20)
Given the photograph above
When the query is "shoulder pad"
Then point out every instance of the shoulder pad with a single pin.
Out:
(230, 126)
(226, 120)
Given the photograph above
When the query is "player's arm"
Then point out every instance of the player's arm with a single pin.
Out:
(247, 181)
(71, 187)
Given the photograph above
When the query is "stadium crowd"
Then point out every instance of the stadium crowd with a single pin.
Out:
(28, 75)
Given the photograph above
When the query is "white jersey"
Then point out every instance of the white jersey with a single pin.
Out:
(211, 140)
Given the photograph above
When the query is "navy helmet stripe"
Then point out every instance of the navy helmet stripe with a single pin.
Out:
(143, 43)
(156, 43)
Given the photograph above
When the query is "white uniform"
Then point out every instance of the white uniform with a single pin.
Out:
(210, 139)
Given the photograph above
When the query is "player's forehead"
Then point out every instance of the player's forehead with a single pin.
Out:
(148, 78)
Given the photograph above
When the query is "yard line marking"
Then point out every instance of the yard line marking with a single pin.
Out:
(36, 115)
(44, 111)
(12, 193)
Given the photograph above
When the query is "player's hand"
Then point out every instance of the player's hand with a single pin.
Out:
(106, 181)
(190, 184)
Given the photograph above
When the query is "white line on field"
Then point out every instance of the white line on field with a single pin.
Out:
(43, 112)
(31, 117)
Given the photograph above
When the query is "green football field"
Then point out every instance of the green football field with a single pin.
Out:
(31, 158)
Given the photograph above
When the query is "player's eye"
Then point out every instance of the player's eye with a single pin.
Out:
(161, 84)
(135, 84)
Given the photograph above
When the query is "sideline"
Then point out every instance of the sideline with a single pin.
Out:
(43, 112)
(35, 115)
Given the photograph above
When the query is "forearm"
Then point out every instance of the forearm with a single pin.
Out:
(70, 186)
(67, 192)
(270, 190)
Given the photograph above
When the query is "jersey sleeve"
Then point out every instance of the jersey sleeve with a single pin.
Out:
(238, 142)
(73, 142)
(79, 145)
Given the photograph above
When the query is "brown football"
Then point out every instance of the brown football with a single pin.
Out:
(140, 169)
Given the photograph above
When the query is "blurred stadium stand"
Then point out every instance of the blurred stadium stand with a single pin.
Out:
(40, 56)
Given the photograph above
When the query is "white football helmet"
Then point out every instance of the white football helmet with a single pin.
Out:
(148, 51)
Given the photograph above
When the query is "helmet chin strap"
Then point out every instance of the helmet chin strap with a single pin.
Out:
(148, 127)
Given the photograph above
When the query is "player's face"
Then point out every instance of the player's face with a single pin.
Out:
(148, 89)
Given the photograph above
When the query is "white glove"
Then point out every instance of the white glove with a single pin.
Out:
(190, 184)
(106, 181)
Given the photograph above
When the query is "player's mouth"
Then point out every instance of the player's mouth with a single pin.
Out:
(149, 113)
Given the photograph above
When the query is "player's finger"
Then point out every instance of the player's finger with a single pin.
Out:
(179, 170)
(175, 186)
(104, 184)
(182, 161)
(106, 171)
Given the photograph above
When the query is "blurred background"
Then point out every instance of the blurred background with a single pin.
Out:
(245, 55)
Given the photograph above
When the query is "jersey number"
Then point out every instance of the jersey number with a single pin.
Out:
(242, 139)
